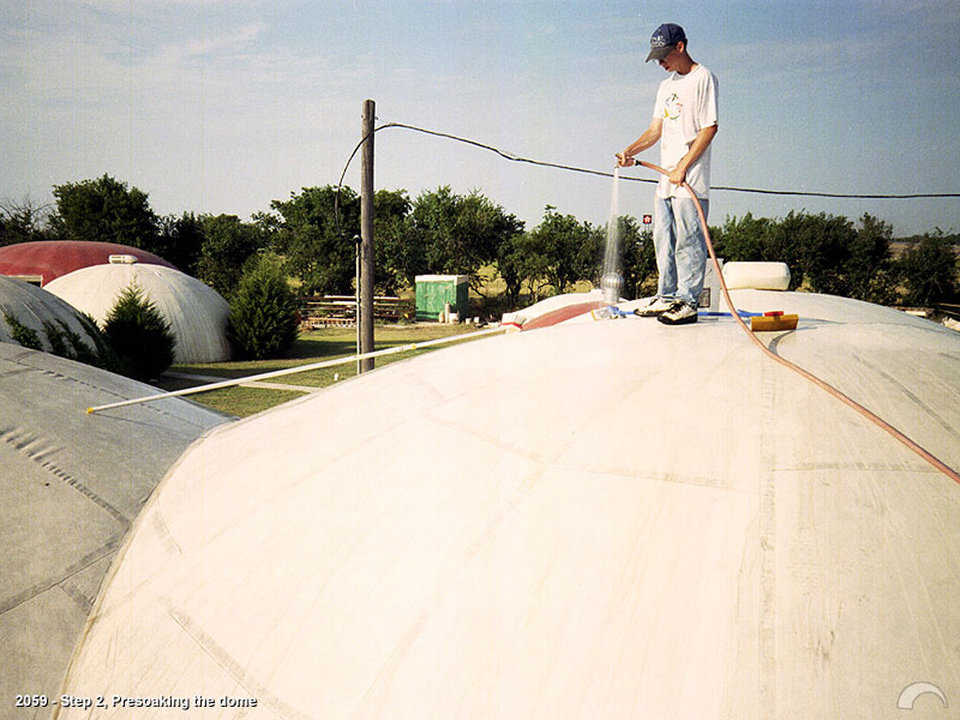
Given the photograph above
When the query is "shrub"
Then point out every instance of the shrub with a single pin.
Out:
(19, 332)
(263, 313)
(64, 341)
(57, 340)
(102, 355)
(69, 344)
(139, 335)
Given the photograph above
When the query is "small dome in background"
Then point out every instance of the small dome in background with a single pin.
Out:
(196, 312)
(43, 261)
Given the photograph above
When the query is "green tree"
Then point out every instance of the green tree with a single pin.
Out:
(743, 239)
(638, 257)
(228, 243)
(928, 270)
(824, 250)
(815, 247)
(460, 233)
(513, 266)
(318, 251)
(439, 232)
(263, 312)
(564, 250)
(180, 241)
(104, 210)
(868, 268)
(139, 335)
(23, 222)
(399, 255)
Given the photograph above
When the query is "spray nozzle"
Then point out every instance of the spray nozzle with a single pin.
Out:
(611, 283)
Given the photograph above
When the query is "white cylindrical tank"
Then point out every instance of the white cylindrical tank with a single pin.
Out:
(756, 275)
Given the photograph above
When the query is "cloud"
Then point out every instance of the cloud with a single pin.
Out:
(231, 42)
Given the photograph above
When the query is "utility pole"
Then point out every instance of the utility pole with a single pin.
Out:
(366, 236)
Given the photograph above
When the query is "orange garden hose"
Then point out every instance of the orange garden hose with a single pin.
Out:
(845, 399)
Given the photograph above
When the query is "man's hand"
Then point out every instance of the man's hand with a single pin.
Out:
(624, 160)
(697, 148)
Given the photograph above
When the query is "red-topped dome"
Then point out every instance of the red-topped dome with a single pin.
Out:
(47, 260)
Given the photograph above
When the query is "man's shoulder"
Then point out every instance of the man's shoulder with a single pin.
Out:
(704, 74)
(699, 74)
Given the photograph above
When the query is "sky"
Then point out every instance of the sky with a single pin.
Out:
(222, 106)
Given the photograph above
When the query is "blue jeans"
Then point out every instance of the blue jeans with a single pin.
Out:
(681, 248)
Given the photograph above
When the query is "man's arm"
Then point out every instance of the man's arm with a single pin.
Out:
(700, 143)
(649, 138)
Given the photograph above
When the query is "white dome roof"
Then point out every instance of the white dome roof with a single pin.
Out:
(613, 519)
(196, 312)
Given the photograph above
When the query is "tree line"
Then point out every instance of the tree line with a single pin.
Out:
(312, 234)
(829, 254)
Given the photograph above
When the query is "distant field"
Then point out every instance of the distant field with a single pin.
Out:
(898, 247)
(311, 347)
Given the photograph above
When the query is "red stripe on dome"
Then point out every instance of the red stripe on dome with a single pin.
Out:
(52, 258)
(565, 313)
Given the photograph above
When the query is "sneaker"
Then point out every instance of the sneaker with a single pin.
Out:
(653, 306)
(680, 313)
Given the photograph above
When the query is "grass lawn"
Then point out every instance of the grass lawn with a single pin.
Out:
(311, 347)
(238, 401)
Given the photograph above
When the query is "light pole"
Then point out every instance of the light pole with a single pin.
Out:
(356, 306)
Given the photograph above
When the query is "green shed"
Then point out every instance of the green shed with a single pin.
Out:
(435, 291)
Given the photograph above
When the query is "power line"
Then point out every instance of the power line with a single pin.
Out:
(516, 158)
(799, 193)
(507, 155)
(601, 173)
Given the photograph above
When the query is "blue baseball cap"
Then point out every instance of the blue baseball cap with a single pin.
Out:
(663, 40)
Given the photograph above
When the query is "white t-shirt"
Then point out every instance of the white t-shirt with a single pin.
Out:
(686, 104)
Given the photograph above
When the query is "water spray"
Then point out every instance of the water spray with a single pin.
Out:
(611, 281)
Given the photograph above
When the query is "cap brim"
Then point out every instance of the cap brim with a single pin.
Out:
(659, 53)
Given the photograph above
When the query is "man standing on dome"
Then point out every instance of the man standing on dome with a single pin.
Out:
(685, 123)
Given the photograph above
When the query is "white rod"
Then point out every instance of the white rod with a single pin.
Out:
(293, 370)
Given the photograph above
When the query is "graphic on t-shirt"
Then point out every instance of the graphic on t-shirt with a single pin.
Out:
(672, 107)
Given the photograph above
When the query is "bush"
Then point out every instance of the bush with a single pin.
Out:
(69, 344)
(140, 336)
(64, 341)
(102, 355)
(20, 333)
(263, 312)
(57, 339)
